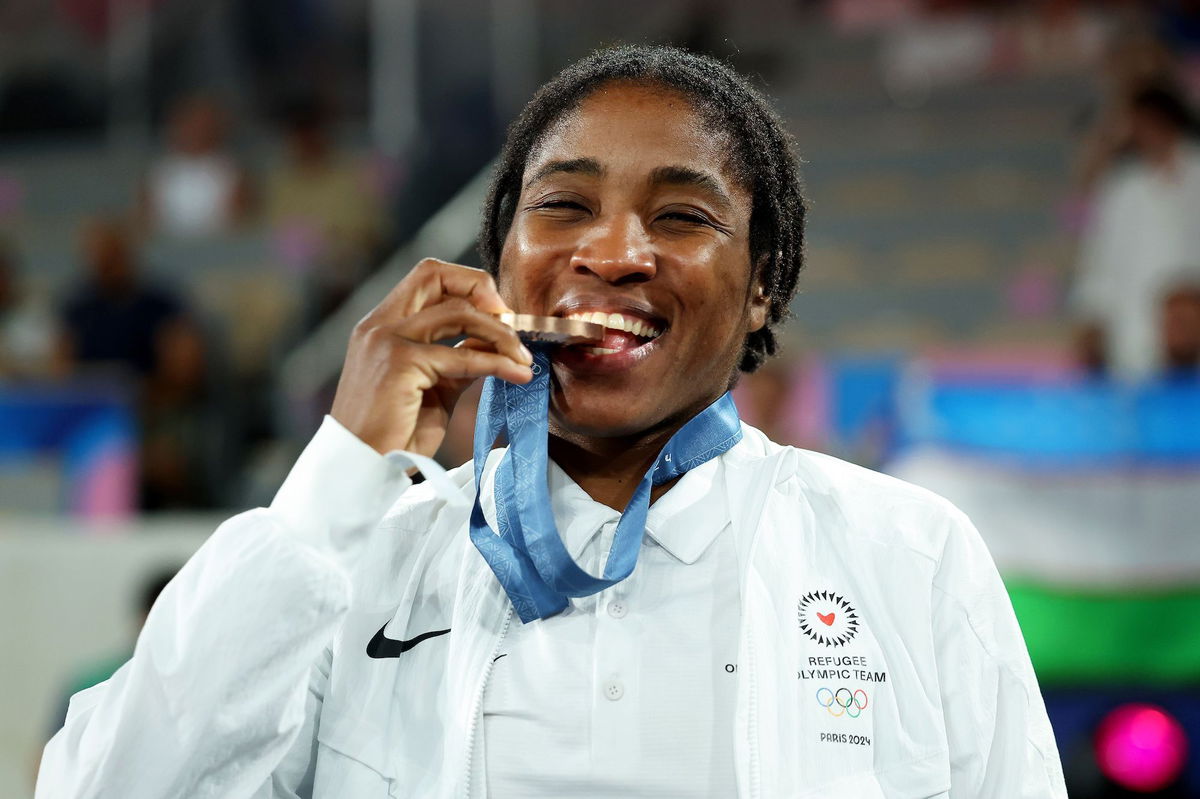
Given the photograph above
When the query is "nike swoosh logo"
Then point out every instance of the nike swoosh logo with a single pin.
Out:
(383, 647)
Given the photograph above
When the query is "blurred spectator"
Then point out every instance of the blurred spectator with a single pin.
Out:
(1133, 60)
(197, 187)
(115, 319)
(1143, 233)
(26, 328)
(1181, 330)
(323, 208)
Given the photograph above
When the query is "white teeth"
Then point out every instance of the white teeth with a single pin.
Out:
(600, 351)
(616, 321)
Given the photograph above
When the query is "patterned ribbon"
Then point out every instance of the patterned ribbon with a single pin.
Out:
(527, 555)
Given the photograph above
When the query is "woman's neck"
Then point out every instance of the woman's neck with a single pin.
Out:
(609, 469)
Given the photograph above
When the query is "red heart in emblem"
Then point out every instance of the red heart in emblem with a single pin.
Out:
(827, 618)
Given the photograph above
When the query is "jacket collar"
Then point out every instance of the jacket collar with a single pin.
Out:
(684, 521)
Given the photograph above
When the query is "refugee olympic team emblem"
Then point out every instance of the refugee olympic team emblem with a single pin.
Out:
(827, 618)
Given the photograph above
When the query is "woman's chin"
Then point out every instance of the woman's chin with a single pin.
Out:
(609, 415)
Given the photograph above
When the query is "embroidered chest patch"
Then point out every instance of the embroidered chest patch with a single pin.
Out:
(827, 618)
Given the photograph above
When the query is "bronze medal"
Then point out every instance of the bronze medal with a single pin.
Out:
(552, 328)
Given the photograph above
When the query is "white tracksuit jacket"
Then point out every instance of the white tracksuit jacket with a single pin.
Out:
(250, 678)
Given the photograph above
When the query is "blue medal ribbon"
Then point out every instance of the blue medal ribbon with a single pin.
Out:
(528, 556)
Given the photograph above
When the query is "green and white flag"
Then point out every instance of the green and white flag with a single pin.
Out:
(1088, 496)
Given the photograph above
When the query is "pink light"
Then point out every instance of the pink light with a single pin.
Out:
(1141, 747)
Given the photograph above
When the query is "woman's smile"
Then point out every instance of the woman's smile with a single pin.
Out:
(629, 217)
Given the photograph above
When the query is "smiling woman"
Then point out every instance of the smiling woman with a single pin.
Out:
(752, 151)
(628, 207)
(646, 597)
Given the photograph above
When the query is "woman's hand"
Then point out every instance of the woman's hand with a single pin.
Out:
(398, 387)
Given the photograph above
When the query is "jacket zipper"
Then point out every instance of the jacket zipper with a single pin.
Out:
(477, 704)
(752, 720)
(755, 765)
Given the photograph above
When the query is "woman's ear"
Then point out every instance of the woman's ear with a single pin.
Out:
(758, 304)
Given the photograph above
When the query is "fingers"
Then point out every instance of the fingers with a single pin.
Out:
(432, 280)
(439, 300)
(466, 363)
(395, 371)
(456, 317)
(476, 344)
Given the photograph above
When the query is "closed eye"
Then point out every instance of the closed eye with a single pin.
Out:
(561, 204)
(559, 209)
(684, 216)
(684, 219)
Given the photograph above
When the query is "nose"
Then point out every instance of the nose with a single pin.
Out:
(616, 250)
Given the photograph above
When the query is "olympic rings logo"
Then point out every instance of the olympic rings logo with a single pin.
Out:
(843, 701)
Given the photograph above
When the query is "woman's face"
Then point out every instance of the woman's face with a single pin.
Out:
(627, 208)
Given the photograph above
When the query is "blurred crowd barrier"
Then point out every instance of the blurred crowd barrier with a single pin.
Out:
(71, 595)
(68, 446)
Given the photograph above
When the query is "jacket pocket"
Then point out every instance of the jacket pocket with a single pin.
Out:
(352, 759)
(923, 778)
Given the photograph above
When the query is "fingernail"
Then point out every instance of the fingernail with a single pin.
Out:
(526, 354)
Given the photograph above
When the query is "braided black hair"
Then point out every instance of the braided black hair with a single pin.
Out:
(761, 158)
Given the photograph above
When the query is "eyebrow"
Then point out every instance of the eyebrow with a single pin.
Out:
(686, 176)
(576, 166)
(674, 175)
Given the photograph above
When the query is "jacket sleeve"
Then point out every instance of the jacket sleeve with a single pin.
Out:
(223, 692)
(1000, 740)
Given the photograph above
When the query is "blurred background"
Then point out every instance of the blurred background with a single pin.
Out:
(1001, 302)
